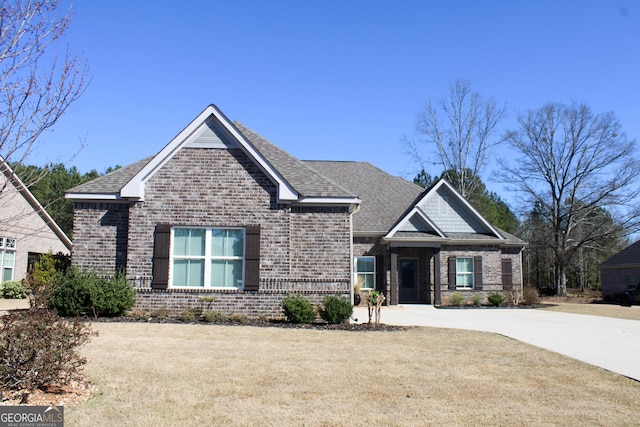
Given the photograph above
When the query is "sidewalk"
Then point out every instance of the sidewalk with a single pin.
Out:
(612, 344)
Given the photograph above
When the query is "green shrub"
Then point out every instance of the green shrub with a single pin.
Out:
(335, 309)
(14, 290)
(70, 294)
(298, 309)
(530, 295)
(75, 292)
(38, 348)
(476, 299)
(187, 316)
(495, 299)
(160, 314)
(111, 297)
(456, 299)
(215, 317)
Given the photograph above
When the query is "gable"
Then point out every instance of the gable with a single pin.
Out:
(295, 182)
(442, 214)
(450, 213)
(23, 217)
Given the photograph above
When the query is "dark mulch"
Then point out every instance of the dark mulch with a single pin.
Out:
(273, 323)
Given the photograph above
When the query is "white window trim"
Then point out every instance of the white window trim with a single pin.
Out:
(356, 272)
(471, 273)
(208, 258)
(7, 244)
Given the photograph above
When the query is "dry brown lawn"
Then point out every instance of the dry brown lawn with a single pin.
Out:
(606, 310)
(171, 374)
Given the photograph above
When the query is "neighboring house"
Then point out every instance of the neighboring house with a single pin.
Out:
(221, 212)
(621, 272)
(26, 229)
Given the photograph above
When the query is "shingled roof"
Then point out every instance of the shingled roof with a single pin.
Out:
(629, 256)
(384, 197)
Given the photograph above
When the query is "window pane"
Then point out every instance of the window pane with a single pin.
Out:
(368, 281)
(227, 243)
(464, 280)
(188, 242)
(464, 265)
(7, 274)
(365, 264)
(8, 259)
(227, 274)
(188, 272)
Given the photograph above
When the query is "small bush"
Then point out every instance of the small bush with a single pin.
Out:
(495, 299)
(187, 316)
(14, 290)
(336, 309)
(477, 299)
(75, 292)
(456, 299)
(38, 348)
(298, 309)
(238, 318)
(530, 295)
(111, 297)
(160, 314)
(214, 317)
(70, 294)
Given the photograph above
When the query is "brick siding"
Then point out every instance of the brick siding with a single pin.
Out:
(218, 188)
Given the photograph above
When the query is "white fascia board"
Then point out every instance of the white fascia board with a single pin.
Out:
(135, 187)
(88, 196)
(330, 201)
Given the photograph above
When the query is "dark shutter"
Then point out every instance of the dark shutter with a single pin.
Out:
(161, 243)
(507, 274)
(380, 274)
(477, 272)
(452, 272)
(252, 258)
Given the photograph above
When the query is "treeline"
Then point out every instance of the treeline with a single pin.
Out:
(49, 183)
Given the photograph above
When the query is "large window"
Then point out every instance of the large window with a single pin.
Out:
(7, 258)
(365, 271)
(208, 257)
(464, 273)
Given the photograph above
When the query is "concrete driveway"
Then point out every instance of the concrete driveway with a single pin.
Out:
(612, 344)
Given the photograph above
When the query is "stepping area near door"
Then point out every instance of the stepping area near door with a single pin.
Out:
(611, 344)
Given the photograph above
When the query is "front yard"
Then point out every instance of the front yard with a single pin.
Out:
(172, 374)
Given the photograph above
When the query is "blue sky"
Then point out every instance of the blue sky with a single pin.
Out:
(334, 80)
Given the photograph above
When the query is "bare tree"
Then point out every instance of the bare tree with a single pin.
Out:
(461, 128)
(37, 85)
(574, 165)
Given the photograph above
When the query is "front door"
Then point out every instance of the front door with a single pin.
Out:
(408, 280)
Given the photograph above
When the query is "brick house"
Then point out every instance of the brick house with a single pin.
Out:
(26, 229)
(221, 212)
(621, 272)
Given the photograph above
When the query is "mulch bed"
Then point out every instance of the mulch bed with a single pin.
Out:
(274, 323)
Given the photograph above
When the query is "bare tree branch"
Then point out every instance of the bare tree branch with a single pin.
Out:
(460, 127)
(574, 166)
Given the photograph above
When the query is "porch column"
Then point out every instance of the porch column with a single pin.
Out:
(393, 297)
(437, 300)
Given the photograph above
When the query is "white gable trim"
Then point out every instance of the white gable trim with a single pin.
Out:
(407, 218)
(416, 211)
(134, 189)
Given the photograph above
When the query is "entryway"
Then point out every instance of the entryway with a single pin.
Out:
(408, 281)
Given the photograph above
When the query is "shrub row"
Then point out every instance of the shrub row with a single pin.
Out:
(333, 310)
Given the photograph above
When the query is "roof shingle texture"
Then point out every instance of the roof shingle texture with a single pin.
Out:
(385, 198)
(628, 256)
